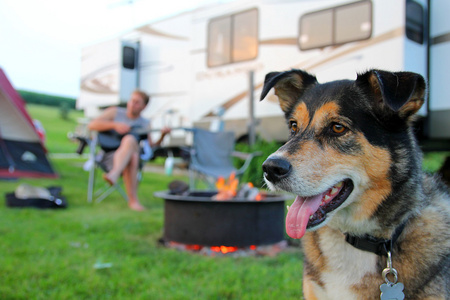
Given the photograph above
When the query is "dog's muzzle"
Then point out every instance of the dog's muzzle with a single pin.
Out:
(276, 169)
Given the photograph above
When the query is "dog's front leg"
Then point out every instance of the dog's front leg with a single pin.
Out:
(308, 289)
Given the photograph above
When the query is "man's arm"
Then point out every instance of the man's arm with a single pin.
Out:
(106, 122)
(164, 132)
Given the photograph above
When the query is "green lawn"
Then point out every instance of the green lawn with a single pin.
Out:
(53, 254)
(56, 128)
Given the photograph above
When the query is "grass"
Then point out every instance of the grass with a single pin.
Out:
(56, 128)
(433, 161)
(52, 254)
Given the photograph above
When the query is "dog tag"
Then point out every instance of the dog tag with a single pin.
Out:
(391, 291)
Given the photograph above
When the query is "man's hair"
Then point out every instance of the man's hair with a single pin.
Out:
(144, 95)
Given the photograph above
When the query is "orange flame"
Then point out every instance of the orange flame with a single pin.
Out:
(227, 189)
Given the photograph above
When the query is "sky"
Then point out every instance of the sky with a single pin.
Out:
(41, 40)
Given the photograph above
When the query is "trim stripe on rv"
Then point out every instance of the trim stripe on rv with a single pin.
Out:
(282, 41)
(443, 38)
(152, 31)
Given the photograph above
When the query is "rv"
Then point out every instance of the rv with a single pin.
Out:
(207, 66)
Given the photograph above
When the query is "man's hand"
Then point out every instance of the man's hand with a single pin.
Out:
(122, 128)
(165, 130)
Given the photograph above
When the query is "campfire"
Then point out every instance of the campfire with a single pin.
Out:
(228, 189)
(236, 220)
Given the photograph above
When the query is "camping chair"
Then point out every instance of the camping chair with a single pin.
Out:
(211, 157)
(96, 161)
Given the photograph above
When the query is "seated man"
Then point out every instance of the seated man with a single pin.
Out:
(125, 160)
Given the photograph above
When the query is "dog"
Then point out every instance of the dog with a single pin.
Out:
(370, 221)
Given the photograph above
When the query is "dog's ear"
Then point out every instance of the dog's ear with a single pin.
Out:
(398, 92)
(289, 86)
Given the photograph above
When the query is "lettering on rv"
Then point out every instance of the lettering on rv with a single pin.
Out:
(228, 72)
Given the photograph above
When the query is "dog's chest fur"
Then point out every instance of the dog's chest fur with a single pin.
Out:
(333, 266)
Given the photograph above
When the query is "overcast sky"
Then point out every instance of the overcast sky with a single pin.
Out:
(40, 40)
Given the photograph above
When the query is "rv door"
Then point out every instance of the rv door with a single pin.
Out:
(129, 70)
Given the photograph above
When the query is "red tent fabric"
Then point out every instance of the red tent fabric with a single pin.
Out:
(22, 153)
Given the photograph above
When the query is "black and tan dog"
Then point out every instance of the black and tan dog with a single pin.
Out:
(355, 165)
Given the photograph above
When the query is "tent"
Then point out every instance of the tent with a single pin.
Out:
(22, 152)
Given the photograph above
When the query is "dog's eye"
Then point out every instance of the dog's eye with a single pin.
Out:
(338, 128)
(293, 126)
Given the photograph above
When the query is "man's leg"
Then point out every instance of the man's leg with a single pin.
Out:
(131, 182)
(122, 156)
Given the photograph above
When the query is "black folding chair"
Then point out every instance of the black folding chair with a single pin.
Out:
(97, 162)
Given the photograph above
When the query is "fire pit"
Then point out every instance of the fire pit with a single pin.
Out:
(195, 220)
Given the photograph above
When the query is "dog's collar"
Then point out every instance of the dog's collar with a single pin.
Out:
(375, 245)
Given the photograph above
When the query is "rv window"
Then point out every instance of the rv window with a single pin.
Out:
(233, 38)
(128, 57)
(353, 22)
(245, 36)
(316, 30)
(219, 42)
(335, 26)
(414, 21)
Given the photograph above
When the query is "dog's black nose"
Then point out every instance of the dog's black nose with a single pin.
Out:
(276, 169)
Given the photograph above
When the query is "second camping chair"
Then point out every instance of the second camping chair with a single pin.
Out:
(212, 157)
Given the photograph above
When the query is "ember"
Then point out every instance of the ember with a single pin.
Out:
(253, 250)
(223, 249)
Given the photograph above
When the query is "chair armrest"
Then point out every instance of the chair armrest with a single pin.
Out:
(82, 143)
(247, 157)
(241, 155)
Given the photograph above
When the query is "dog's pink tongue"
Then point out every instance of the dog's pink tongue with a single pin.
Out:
(298, 215)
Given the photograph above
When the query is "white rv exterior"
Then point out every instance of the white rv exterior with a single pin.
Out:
(196, 65)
